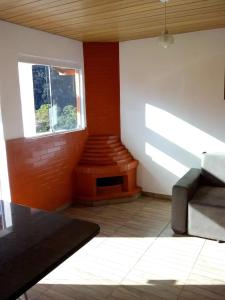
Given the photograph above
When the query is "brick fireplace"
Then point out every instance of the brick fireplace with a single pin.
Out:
(106, 171)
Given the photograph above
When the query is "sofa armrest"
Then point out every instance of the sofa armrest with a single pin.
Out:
(182, 192)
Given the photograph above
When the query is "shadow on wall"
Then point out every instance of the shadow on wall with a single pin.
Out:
(175, 144)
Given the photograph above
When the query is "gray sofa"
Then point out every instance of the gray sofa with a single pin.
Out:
(198, 200)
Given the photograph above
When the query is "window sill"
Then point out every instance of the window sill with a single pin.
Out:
(44, 135)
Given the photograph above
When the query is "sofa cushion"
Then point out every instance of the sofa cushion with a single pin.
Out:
(211, 196)
(206, 213)
(213, 168)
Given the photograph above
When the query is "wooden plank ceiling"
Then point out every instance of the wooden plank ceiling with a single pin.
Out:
(113, 20)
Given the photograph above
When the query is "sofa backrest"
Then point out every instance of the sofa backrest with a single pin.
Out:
(213, 169)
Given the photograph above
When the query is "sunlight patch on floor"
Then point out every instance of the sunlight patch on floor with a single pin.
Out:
(137, 256)
(131, 261)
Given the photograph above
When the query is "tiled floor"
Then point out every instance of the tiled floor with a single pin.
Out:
(136, 256)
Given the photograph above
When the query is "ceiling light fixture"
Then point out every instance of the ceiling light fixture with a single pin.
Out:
(165, 38)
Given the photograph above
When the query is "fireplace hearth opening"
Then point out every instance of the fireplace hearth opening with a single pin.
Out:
(109, 181)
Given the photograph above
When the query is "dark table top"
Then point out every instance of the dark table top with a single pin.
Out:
(33, 243)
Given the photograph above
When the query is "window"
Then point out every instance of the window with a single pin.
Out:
(51, 98)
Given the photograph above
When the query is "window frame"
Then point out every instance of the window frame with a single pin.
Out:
(34, 60)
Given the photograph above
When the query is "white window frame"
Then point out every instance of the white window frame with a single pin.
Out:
(27, 96)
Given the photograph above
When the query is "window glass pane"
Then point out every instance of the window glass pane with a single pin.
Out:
(42, 99)
(51, 98)
(63, 95)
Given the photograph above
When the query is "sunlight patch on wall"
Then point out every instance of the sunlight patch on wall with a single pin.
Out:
(165, 161)
(180, 132)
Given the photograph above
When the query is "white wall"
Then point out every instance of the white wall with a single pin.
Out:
(18, 42)
(172, 104)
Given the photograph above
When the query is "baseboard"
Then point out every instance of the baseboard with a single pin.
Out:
(156, 195)
(63, 207)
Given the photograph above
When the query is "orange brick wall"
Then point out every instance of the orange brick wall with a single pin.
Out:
(41, 169)
(101, 65)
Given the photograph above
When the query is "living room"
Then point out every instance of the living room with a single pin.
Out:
(164, 103)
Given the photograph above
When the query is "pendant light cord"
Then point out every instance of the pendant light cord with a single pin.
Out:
(165, 38)
(165, 18)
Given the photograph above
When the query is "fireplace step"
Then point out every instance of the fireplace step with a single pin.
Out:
(106, 199)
